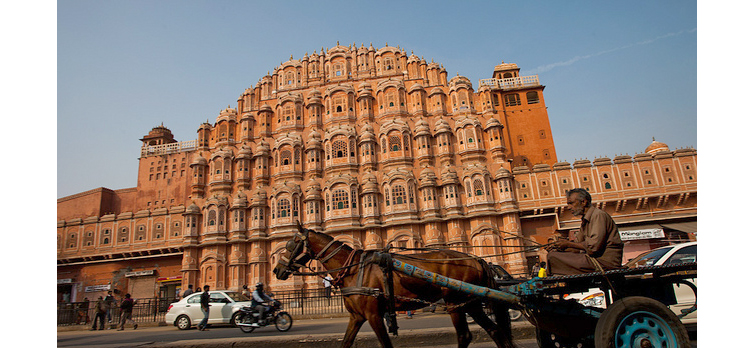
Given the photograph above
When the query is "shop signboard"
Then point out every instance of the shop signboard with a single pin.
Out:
(140, 273)
(65, 281)
(95, 288)
(648, 233)
(169, 279)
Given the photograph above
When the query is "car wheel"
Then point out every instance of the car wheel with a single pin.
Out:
(183, 322)
(234, 318)
(637, 321)
(515, 314)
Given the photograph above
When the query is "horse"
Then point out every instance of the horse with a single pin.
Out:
(364, 286)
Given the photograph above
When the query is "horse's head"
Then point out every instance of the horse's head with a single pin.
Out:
(296, 255)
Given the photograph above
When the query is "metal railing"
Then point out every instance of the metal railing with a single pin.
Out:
(145, 310)
(298, 303)
(512, 82)
(310, 302)
(169, 148)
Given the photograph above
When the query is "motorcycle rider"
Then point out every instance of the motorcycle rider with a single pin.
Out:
(259, 298)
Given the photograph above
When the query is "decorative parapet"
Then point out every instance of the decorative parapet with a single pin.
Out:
(511, 83)
(164, 149)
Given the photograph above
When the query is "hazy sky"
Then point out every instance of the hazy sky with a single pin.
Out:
(617, 74)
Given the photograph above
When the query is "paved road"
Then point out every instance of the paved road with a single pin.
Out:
(302, 328)
(130, 337)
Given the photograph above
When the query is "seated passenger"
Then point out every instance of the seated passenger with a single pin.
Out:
(598, 237)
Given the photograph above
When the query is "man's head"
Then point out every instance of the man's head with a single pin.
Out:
(128, 295)
(578, 200)
(190, 286)
(244, 287)
(206, 288)
(259, 286)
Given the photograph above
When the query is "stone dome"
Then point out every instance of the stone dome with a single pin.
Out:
(656, 146)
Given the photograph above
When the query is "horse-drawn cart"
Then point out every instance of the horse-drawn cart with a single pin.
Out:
(636, 316)
(375, 284)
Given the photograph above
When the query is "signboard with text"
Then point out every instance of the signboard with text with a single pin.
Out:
(647, 233)
(140, 273)
(94, 288)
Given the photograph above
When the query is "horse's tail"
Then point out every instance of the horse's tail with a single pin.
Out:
(500, 308)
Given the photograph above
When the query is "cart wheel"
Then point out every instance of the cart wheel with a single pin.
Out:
(546, 339)
(638, 321)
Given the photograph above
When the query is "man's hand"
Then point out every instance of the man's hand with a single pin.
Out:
(565, 245)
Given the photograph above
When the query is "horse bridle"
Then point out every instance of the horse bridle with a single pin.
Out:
(299, 252)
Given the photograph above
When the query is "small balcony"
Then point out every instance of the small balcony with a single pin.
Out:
(511, 83)
(165, 149)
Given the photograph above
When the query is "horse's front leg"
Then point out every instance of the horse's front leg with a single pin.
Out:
(376, 322)
(476, 312)
(355, 323)
(463, 336)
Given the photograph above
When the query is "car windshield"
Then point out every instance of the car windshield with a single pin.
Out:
(235, 296)
(648, 258)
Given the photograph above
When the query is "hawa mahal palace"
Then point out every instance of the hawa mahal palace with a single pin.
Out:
(375, 148)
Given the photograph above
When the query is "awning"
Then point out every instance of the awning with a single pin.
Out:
(686, 227)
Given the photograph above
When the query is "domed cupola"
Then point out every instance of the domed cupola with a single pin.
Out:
(421, 127)
(240, 201)
(227, 114)
(655, 147)
(369, 182)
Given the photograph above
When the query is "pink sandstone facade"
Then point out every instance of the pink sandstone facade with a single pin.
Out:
(372, 146)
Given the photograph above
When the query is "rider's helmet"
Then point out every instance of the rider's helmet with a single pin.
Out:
(259, 286)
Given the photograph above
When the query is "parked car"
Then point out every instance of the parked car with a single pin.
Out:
(667, 255)
(224, 304)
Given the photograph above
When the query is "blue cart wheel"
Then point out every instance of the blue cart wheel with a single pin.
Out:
(644, 329)
(639, 322)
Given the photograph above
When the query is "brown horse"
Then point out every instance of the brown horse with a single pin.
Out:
(343, 263)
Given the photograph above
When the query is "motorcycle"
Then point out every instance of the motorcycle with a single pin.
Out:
(248, 315)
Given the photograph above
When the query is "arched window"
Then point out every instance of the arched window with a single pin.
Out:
(608, 185)
(211, 218)
(284, 207)
(340, 199)
(285, 157)
(339, 149)
(478, 190)
(399, 194)
(395, 143)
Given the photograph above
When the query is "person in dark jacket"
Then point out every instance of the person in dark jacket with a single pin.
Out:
(204, 303)
(99, 313)
(110, 302)
(126, 307)
(188, 292)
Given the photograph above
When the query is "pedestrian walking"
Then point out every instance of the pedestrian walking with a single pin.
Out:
(110, 302)
(99, 314)
(327, 282)
(204, 303)
(188, 292)
(126, 307)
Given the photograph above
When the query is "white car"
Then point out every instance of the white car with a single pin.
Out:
(668, 255)
(223, 306)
